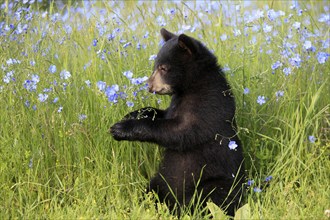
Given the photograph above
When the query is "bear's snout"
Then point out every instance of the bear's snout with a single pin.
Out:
(157, 85)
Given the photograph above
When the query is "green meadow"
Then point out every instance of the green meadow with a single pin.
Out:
(68, 71)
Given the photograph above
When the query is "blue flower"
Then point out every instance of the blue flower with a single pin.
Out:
(259, 14)
(59, 110)
(226, 68)
(101, 30)
(35, 78)
(101, 85)
(123, 95)
(255, 28)
(55, 100)
(286, 53)
(267, 28)
(31, 85)
(47, 90)
(111, 93)
(232, 145)
(296, 25)
(113, 98)
(261, 100)
(127, 44)
(311, 139)
(287, 71)
(172, 11)
(88, 83)
(12, 61)
(146, 35)
(250, 182)
(67, 29)
(324, 18)
(295, 61)
(237, 32)
(65, 74)
(276, 65)
(153, 57)
(268, 178)
(246, 91)
(322, 57)
(326, 43)
(253, 40)
(223, 37)
(161, 21)
(130, 104)
(87, 65)
(279, 93)
(111, 36)
(82, 117)
(8, 77)
(27, 103)
(161, 43)
(95, 42)
(257, 190)
(64, 86)
(307, 45)
(128, 74)
(42, 97)
(52, 69)
(272, 15)
(138, 81)
(289, 45)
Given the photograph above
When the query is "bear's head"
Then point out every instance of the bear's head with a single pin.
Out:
(178, 64)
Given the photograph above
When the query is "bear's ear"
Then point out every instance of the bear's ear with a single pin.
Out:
(187, 43)
(166, 34)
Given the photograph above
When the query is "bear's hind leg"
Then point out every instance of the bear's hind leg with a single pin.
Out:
(165, 194)
(223, 193)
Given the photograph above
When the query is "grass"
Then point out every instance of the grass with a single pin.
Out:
(62, 163)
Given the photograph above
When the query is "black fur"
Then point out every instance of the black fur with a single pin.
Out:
(195, 129)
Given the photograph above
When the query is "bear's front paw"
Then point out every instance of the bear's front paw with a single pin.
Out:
(132, 115)
(142, 113)
(121, 130)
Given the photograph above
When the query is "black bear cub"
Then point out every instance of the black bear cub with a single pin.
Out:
(203, 153)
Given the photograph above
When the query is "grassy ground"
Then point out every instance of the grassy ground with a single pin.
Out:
(65, 81)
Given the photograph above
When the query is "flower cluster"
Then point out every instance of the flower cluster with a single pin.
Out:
(298, 45)
(258, 188)
(113, 92)
(285, 43)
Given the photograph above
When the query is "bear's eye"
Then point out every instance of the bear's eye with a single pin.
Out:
(163, 68)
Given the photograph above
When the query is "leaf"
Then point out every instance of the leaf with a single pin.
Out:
(215, 210)
(243, 212)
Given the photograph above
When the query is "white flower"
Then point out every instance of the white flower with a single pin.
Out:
(232, 145)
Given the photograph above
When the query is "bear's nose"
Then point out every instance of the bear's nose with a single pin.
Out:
(150, 88)
(149, 82)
